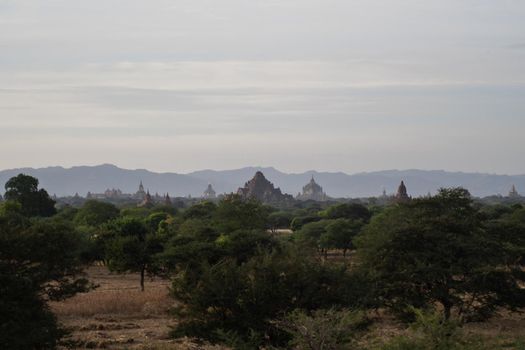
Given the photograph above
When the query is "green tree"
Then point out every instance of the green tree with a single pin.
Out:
(351, 211)
(24, 190)
(313, 234)
(299, 221)
(39, 262)
(203, 210)
(234, 213)
(95, 213)
(243, 299)
(437, 251)
(280, 220)
(340, 234)
(132, 248)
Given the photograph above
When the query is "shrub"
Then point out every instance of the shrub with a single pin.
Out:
(322, 329)
(245, 297)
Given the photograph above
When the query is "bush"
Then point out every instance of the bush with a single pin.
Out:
(38, 263)
(431, 331)
(324, 329)
(244, 298)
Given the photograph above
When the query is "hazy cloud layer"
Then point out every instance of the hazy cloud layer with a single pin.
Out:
(297, 84)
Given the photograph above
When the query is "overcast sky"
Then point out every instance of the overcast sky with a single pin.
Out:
(338, 85)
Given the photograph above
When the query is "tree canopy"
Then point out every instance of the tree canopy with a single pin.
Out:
(24, 190)
(437, 250)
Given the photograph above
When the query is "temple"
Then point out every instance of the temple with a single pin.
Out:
(312, 191)
(147, 202)
(263, 190)
(209, 193)
(513, 192)
(402, 195)
(141, 194)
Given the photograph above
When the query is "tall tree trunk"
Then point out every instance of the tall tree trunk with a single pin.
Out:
(142, 271)
(447, 307)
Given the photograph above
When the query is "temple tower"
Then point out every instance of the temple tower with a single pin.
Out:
(312, 191)
(513, 192)
(209, 193)
(402, 195)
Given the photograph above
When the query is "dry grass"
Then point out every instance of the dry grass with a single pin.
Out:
(117, 295)
(116, 302)
(117, 315)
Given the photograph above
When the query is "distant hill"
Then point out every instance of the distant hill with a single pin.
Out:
(96, 179)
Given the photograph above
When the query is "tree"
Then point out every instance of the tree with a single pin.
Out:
(437, 251)
(24, 190)
(340, 234)
(132, 247)
(234, 213)
(38, 262)
(204, 210)
(280, 220)
(351, 211)
(312, 235)
(299, 221)
(95, 213)
(241, 300)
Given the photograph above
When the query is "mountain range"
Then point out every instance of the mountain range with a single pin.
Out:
(96, 179)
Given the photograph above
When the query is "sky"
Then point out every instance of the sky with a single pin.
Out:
(330, 85)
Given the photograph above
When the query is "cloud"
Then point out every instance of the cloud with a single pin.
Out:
(300, 84)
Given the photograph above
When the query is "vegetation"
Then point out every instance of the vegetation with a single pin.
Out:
(40, 260)
(438, 250)
(435, 263)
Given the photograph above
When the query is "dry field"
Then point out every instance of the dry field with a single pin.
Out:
(117, 315)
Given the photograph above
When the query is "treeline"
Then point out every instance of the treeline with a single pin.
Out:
(435, 262)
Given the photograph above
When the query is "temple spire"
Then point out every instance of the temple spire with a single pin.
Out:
(402, 195)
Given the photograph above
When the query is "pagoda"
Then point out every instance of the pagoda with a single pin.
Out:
(513, 192)
(209, 193)
(261, 189)
(402, 195)
(312, 191)
(140, 194)
(147, 202)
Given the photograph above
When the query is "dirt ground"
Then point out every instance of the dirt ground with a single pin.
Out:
(117, 315)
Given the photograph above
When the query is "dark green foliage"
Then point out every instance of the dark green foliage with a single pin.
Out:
(245, 297)
(311, 235)
(351, 211)
(153, 221)
(298, 222)
(204, 210)
(340, 234)
(67, 213)
(330, 234)
(38, 262)
(234, 213)
(164, 208)
(25, 319)
(130, 246)
(95, 213)
(280, 220)
(24, 190)
(436, 250)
